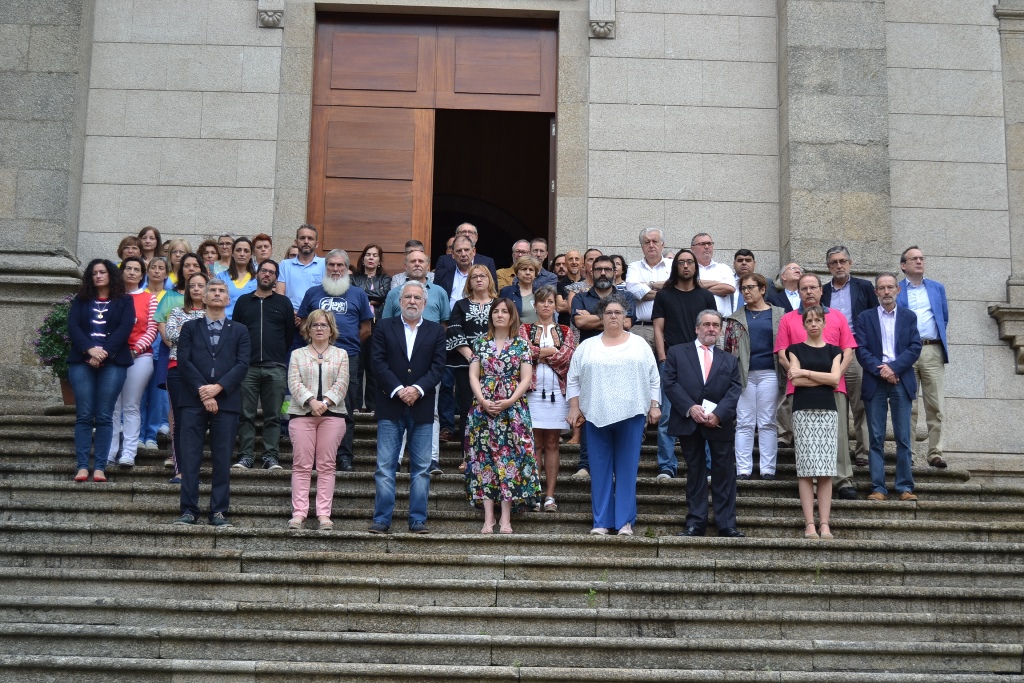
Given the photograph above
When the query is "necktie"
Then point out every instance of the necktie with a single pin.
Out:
(707, 362)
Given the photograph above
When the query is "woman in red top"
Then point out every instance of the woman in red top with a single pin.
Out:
(127, 410)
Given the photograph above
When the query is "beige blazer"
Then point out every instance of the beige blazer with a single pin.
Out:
(303, 377)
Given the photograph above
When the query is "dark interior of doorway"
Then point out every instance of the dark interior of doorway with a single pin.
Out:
(492, 169)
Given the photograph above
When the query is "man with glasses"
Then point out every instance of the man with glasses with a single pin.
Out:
(851, 296)
(715, 277)
(838, 333)
(506, 275)
(354, 317)
(584, 304)
(646, 277)
(270, 320)
(927, 298)
(447, 262)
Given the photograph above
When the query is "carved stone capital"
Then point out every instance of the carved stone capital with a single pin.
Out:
(270, 13)
(1011, 329)
(602, 18)
(1011, 16)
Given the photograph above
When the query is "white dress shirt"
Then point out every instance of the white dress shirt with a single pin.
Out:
(719, 272)
(410, 340)
(887, 321)
(638, 274)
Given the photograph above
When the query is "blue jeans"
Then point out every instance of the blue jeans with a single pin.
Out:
(894, 398)
(614, 462)
(446, 400)
(155, 408)
(667, 461)
(389, 449)
(96, 391)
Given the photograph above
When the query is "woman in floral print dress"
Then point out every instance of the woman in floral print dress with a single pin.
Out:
(499, 433)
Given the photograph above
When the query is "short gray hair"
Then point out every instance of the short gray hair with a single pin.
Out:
(710, 311)
(413, 283)
(647, 231)
(334, 253)
(887, 273)
(215, 281)
(838, 249)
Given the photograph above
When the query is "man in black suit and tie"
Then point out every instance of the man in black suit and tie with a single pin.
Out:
(408, 358)
(447, 263)
(213, 359)
(703, 384)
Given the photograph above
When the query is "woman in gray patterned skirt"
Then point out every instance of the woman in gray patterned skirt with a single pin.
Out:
(815, 374)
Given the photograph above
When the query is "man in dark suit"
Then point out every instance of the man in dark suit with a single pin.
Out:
(851, 296)
(703, 384)
(447, 263)
(787, 298)
(408, 358)
(888, 345)
(213, 359)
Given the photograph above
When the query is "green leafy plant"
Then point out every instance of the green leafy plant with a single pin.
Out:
(592, 598)
(53, 344)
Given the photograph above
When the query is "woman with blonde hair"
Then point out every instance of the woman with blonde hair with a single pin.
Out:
(317, 381)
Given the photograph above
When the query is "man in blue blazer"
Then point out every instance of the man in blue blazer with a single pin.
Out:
(851, 296)
(888, 345)
(927, 298)
(691, 385)
(408, 359)
(446, 263)
(213, 359)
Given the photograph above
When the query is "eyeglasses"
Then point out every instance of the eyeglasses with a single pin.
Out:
(224, 244)
(839, 262)
(604, 270)
(615, 314)
(178, 252)
(749, 288)
(267, 271)
(320, 326)
(686, 261)
(703, 244)
(478, 277)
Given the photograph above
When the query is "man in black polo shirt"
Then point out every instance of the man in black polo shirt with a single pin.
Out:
(270, 320)
(676, 307)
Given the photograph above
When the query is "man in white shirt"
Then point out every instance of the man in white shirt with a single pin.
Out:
(645, 278)
(715, 277)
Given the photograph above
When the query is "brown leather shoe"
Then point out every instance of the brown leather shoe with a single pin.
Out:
(907, 495)
(445, 435)
(876, 496)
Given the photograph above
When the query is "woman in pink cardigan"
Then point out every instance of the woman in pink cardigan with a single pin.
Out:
(317, 381)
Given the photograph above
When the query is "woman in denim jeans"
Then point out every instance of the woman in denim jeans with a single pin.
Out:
(99, 322)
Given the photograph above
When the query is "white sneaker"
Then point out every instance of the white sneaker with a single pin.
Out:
(598, 531)
(663, 475)
(582, 473)
(127, 462)
(164, 429)
(151, 445)
(626, 530)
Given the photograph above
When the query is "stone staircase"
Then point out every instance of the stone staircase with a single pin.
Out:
(97, 585)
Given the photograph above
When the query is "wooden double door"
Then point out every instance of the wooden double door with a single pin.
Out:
(378, 83)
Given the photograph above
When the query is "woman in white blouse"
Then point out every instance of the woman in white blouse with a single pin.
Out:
(613, 390)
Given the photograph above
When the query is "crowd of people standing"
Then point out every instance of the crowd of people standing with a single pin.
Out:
(716, 357)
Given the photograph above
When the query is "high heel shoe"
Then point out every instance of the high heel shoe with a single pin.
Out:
(812, 534)
(826, 531)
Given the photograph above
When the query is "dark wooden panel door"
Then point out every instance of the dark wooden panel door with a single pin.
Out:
(374, 63)
(371, 177)
(495, 67)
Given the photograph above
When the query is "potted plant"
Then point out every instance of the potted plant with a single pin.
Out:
(53, 345)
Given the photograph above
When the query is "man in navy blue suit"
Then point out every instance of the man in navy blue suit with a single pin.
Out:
(447, 263)
(213, 359)
(408, 358)
(888, 345)
(703, 383)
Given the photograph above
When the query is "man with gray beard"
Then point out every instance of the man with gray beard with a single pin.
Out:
(352, 313)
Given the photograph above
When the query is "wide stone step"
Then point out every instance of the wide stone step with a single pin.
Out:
(508, 621)
(356, 490)
(491, 650)
(82, 509)
(44, 668)
(102, 532)
(527, 568)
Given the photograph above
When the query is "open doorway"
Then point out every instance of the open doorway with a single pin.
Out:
(494, 170)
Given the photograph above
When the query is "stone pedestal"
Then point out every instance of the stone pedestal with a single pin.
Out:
(834, 133)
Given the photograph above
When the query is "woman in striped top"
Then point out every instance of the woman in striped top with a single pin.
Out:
(127, 411)
(99, 323)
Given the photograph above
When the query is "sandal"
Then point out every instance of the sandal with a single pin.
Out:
(487, 528)
(937, 461)
(505, 529)
(296, 522)
(812, 534)
(550, 505)
(83, 475)
(325, 523)
(826, 531)
(99, 476)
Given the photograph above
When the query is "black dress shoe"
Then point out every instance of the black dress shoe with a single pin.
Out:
(691, 531)
(344, 463)
(767, 477)
(731, 532)
(847, 493)
(742, 477)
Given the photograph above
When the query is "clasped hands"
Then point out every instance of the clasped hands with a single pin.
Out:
(208, 394)
(698, 415)
(97, 355)
(408, 395)
(494, 408)
(887, 374)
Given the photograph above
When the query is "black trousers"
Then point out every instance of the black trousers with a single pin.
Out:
(723, 480)
(223, 427)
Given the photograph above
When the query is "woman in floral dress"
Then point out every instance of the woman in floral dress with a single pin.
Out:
(499, 433)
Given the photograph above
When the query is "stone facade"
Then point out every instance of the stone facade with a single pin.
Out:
(783, 126)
